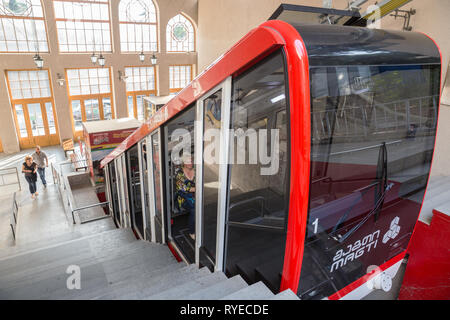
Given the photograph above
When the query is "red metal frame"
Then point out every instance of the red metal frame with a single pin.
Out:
(300, 147)
(256, 45)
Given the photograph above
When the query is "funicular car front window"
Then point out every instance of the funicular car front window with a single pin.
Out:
(372, 138)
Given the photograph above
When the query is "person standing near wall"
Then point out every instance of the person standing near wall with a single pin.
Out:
(29, 168)
(40, 158)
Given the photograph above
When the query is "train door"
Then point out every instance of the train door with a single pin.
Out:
(134, 184)
(258, 191)
(180, 189)
(211, 149)
(156, 220)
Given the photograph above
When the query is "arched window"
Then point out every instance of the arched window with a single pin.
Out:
(22, 26)
(138, 26)
(180, 35)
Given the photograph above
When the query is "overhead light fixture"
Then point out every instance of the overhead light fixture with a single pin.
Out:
(153, 59)
(60, 79)
(94, 58)
(38, 61)
(142, 56)
(101, 60)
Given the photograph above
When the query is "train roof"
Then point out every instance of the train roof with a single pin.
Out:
(329, 45)
(324, 45)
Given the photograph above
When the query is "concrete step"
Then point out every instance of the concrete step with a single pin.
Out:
(285, 295)
(149, 284)
(434, 199)
(55, 287)
(140, 273)
(71, 252)
(110, 237)
(102, 272)
(257, 291)
(437, 188)
(444, 208)
(438, 181)
(181, 291)
(133, 254)
(143, 265)
(218, 290)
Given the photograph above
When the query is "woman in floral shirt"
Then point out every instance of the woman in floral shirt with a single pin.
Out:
(185, 191)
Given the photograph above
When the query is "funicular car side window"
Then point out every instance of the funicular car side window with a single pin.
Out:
(372, 137)
(256, 212)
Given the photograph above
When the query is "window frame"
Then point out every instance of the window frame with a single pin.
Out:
(175, 89)
(135, 93)
(156, 24)
(169, 35)
(65, 20)
(82, 97)
(24, 18)
(27, 141)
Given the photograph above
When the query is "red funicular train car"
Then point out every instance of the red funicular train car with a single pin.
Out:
(322, 139)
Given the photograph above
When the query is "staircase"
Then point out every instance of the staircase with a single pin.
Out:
(114, 265)
(427, 273)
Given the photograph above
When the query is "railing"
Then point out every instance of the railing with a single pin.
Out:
(8, 172)
(89, 207)
(15, 211)
(65, 192)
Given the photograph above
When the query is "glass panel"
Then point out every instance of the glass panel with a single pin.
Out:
(21, 121)
(138, 36)
(373, 131)
(76, 113)
(36, 120)
(211, 147)
(179, 34)
(181, 178)
(92, 109)
(107, 111)
(83, 34)
(50, 118)
(257, 210)
(145, 186)
(114, 190)
(157, 182)
(130, 107)
(140, 107)
(134, 181)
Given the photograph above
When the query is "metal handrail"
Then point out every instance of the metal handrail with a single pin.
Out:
(4, 174)
(15, 211)
(92, 206)
(74, 209)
